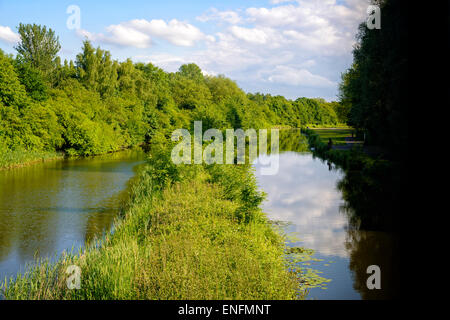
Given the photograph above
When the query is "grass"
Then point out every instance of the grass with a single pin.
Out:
(372, 185)
(18, 158)
(330, 126)
(343, 158)
(338, 135)
(189, 232)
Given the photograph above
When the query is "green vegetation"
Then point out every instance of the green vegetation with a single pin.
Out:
(95, 104)
(18, 158)
(194, 232)
(337, 135)
(373, 96)
(371, 187)
(189, 232)
(343, 158)
(374, 89)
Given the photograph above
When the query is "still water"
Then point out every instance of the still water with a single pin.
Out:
(55, 206)
(305, 194)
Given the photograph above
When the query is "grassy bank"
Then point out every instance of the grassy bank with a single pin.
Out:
(318, 139)
(20, 158)
(372, 186)
(189, 232)
(338, 135)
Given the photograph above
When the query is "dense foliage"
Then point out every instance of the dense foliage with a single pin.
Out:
(374, 88)
(96, 104)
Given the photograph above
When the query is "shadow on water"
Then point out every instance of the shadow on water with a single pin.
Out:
(373, 207)
(341, 214)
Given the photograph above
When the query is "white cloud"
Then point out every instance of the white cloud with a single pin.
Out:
(316, 26)
(139, 33)
(280, 1)
(119, 35)
(222, 16)
(293, 48)
(311, 205)
(249, 35)
(7, 35)
(176, 32)
(298, 77)
(302, 44)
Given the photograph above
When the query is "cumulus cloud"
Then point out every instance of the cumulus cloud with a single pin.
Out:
(280, 1)
(298, 77)
(139, 33)
(9, 36)
(304, 44)
(316, 26)
(310, 204)
(176, 32)
(294, 48)
(251, 35)
(119, 35)
(222, 16)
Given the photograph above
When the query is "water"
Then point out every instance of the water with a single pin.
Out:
(305, 194)
(55, 206)
(51, 207)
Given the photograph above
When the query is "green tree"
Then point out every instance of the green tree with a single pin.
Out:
(191, 71)
(12, 92)
(33, 81)
(376, 84)
(87, 66)
(38, 46)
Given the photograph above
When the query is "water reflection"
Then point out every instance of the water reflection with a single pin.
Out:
(56, 206)
(374, 248)
(307, 192)
(304, 193)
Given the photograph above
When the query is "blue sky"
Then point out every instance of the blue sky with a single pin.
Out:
(294, 48)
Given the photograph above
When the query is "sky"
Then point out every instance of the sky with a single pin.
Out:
(294, 48)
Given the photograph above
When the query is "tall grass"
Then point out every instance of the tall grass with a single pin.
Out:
(17, 158)
(189, 232)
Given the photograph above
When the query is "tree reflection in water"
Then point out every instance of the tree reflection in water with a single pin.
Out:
(373, 200)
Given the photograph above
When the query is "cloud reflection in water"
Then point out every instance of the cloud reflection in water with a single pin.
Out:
(304, 193)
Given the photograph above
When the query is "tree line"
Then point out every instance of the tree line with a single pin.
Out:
(374, 89)
(96, 104)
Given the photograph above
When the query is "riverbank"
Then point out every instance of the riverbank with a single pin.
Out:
(18, 159)
(373, 185)
(21, 158)
(188, 232)
(337, 154)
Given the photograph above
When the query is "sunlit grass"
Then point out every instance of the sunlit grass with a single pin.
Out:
(202, 236)
(18, 158)
(338, 135)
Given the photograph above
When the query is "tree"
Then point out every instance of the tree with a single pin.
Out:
(222, 87)
(12, 92)
(342, 111)
(87, 68)
(38, 47)
(376, 84)
(32, 80)
(191, 71)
